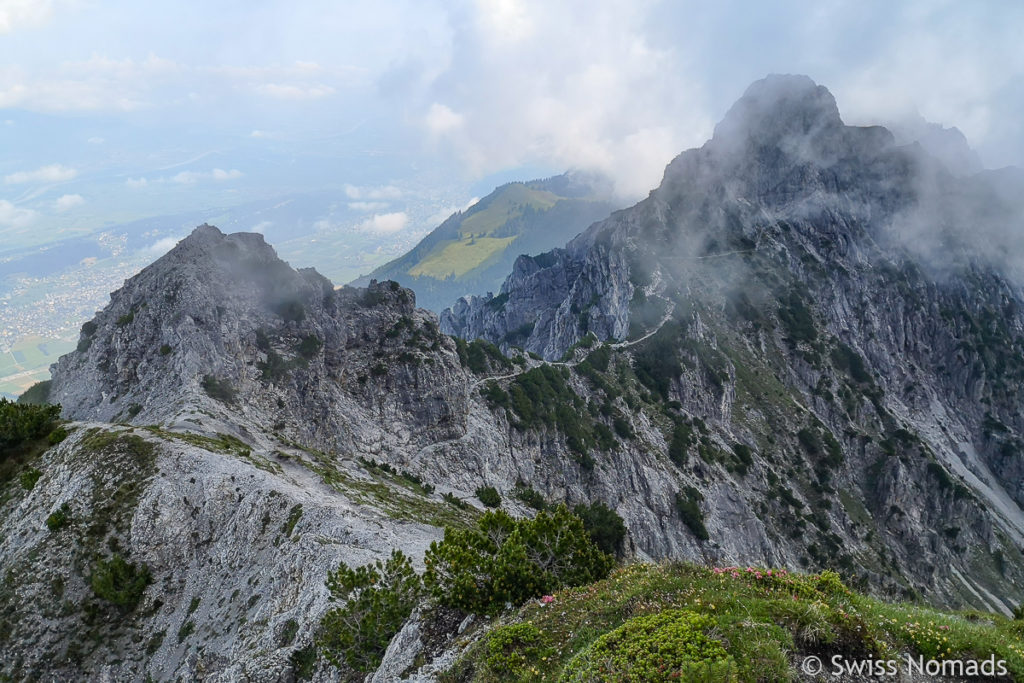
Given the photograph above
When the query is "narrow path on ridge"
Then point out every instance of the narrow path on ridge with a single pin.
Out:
(571, 364)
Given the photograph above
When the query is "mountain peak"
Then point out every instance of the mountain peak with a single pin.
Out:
(209, 238)
(776, 107)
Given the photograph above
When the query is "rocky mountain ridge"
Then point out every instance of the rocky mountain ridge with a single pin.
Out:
(793, 250)
(744, 366)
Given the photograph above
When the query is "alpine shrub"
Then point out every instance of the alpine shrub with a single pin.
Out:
(119, 582)
(671, 645)
(505, 560)
(373, 603)
(688, 504)
(605, 526)
(489, 496)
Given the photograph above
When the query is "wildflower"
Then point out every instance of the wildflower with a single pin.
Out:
(547, 599)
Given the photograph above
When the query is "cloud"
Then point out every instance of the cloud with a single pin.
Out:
(385, 223)
(289, 91)
(161, 246)
(98, 84)
(521, 89)
(443, 213)
(506, 21)
(136, 182)
(102, 83)
(55, 173)
(261, 227)
(14, 217)
(618, 86)
(16, 14)
(68, 201)
(379, 192)
(441, 119)
(95, 140)
(217, 174)
(220, 174)
(188, 177)
(623, 87)
(367, 206)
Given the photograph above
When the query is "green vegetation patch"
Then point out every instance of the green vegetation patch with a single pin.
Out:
(489, 496)
(59, 518)
(119, 582)
(221, 443)
(218, 388)
(530, 496)
(604, 525)
(655, 647)
(506, 560)
(294, 515)
(656, 361)
(25, 429)
(796, 318)
(481, 356)
(511, 201)
(727, 623)
(688, 502)
(128, 462)
(226, 444)
(542, 397)
(458, 258)
(309, 346)
(406, 479)
(400, 495)
(37, 394)
(510, 649)
(371, 604)
(29, 477)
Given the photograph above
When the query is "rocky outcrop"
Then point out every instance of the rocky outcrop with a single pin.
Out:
(223, 327)
(238, 545)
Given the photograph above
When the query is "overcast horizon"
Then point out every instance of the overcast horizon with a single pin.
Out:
(119, 111)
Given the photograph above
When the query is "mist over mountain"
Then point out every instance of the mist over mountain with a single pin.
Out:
(807, 275)
(797, 352)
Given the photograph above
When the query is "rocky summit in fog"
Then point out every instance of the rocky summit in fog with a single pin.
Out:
(831, 302)
(792, 353)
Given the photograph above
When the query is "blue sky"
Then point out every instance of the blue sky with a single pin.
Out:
(111, 111)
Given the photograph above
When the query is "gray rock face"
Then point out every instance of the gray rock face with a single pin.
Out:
(281, 349)
(757, 340)
(238, 545)
(803, 259)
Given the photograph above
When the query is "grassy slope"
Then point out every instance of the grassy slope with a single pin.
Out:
(766, 621)
(506, 206)
(474, 245)
(459, 258)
